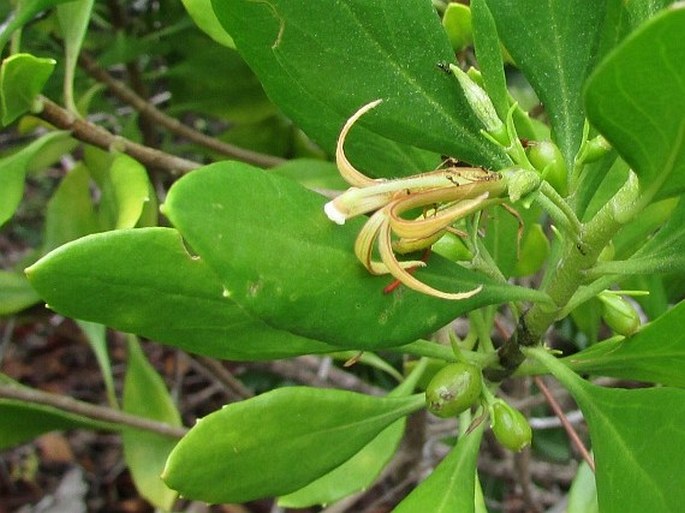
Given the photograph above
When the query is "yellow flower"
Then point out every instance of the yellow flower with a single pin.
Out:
(446, 195)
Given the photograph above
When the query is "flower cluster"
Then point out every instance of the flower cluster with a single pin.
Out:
(445, 195)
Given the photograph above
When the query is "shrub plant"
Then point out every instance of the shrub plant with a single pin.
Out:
(516, 163)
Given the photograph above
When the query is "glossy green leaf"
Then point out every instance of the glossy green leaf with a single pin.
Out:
(24, 12)
(362, 469)
(145, 395)
(636, 97)
(655, 354)
(22, 77)
(15, 293)
(73, 18)
(554, 44)
(13, 171)
(131, 190)
(582, 497)
(354, 475)
(637, 438)
(144, 281)
(280, 258)
(21, 421)
(203, 15)
(96, 334)
(451, 486)
(663, 253)
(321, 61)
(489, 54)
(457, 24)
(313, 174)
(70, 212)
(276, 432)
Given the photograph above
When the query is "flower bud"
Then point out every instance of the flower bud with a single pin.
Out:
(510, 426)
(619, 314)
(482, 106)
(453, 389)
(548, 160)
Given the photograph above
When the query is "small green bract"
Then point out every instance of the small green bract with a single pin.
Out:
(453, 389)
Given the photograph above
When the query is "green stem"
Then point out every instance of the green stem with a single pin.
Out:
(432, 350)
(559, 209)
(567, 275)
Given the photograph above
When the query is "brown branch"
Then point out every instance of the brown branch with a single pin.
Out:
(150, 112)
(97, 136)
(570, 430)
(91, 411)
(224, 376)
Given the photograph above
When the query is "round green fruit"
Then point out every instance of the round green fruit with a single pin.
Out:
(453, 389)
(619, 314)
(548, 160)
(510, 426)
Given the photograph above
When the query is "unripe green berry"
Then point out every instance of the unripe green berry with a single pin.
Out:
(510, 426)
(548, 160)
(453, 389)
(619, 314)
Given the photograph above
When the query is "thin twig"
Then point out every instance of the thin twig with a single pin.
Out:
(91, 411)
(97, 136)
(570, 430)
(152, 113)
(224, 376)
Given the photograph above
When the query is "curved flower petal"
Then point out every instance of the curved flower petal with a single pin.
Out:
(428, 226)
(365, 242)
(388, 257)
(347, 170)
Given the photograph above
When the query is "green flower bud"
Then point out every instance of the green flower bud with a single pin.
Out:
(548, 160)
(457, 24)
(453, 389)
(619, 314)
(594, 149)
(482, 106)
(510, 426)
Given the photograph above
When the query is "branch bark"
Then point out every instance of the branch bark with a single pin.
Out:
(90, 133)
(150, 112)
(91, 411)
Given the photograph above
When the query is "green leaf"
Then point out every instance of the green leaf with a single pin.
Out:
(637, 437)
(21, 421)
(362, 469)
(22, 77)
(655, 354)
(280, 258)
(131, 190)
(663, 253)
(144, 281)
(24, 12)
(203, 15)
(277, 432)
(321, 61)
(96, 334)
(145, 453)
(73, 20)
(70, 212)
(13, 171)
(582, 497)
(15, 293)
(451, 486)
(312, 174)
(489, 54)
(457, 24)
(635, 99)
(554, 44)
(354, 475)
